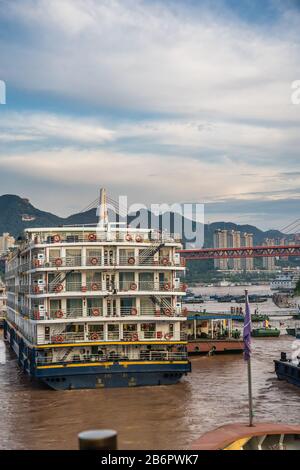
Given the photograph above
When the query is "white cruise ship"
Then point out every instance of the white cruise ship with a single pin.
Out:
(97, 306)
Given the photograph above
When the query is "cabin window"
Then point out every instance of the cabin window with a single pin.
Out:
(113, 331)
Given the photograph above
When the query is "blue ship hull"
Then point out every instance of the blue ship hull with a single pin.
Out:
(113, 376)
(72, 376)
(287, 371)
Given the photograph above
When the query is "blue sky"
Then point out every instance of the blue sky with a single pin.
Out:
(164, 101)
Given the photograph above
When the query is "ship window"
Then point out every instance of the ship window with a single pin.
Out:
(113, 331)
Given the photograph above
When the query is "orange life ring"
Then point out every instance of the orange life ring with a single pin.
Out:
(92, 237)
(59, 339)
(95, 286)
(168, 336)
(59, 313)
(134, 311)
(128, 237)
(36, 289)
(168, 311)
(94, 336)
(58, 288)
(36, 262)
(94, 260)
(135, 337)
(133, 286)
(56, 238)
(183, 287)
(131, 260)
(167, 286)
(185, 310)
(96, 312)
(58, 262)
(139, 239)
(165, 261)
(83, 288)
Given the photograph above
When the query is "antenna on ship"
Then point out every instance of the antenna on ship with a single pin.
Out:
(102, 211)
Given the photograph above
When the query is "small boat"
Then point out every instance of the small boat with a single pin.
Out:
(288, 369)
(261, 436)
(294, 332)
(265, 332)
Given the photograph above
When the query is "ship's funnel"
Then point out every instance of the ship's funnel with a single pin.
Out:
(102, 210)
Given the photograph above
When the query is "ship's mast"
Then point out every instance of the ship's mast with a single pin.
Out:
(102, 210)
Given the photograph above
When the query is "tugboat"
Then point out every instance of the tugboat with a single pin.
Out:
(289, 369)
(265, 332)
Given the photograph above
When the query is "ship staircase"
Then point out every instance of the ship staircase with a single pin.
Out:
(65, 355)
(59, 279)
(163, 304)
(147, 254)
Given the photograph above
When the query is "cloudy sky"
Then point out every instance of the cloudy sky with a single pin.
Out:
(164, 101)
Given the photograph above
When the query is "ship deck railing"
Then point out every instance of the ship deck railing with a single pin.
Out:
(146, 356)
(95, 236)
(98, 260)
(98, 286)
(99, 335)
(97, 311)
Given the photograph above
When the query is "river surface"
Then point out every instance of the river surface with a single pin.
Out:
(163, 417)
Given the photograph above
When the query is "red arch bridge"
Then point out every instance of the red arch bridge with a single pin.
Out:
(242, 252)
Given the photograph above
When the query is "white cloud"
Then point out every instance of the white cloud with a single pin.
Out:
(149, 56)
(40, 126)
(216, 88)
(168, 179)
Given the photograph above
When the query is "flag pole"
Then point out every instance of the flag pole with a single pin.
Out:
(248, 358)
(250, 394)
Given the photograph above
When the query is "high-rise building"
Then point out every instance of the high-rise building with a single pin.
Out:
(269, 262)
(247, 240)
(220, 241)
(6, 241)
(234, 241)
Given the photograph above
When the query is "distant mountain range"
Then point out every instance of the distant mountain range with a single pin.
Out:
(17, 213)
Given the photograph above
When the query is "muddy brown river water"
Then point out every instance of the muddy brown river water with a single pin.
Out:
(165, 417)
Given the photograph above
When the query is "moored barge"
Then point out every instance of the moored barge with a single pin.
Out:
(212, 333)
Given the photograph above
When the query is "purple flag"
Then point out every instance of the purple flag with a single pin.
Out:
(247, 331)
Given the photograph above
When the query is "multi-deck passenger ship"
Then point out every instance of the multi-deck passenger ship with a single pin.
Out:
(97, 306)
